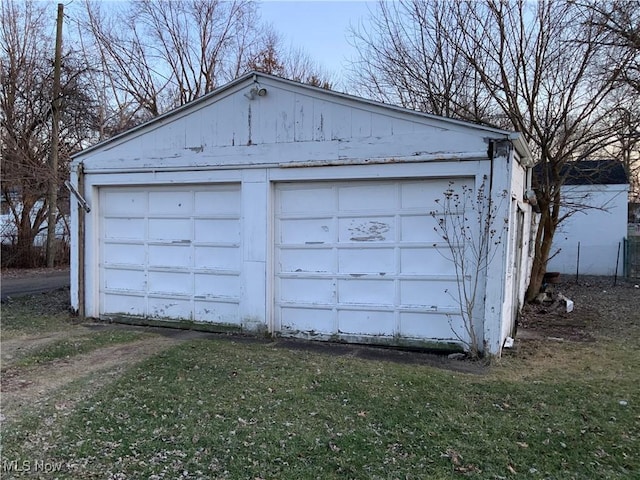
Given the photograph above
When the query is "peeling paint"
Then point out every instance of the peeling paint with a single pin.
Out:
(199, 149)
(370, 231)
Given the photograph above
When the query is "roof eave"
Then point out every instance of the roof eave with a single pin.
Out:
(522, 147)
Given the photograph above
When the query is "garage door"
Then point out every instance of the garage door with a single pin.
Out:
(361, 260)
(171, 252)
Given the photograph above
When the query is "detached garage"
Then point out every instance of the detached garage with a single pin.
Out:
(275, 207)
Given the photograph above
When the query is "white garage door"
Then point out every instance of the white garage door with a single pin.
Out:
(171, 252)
(358, 260)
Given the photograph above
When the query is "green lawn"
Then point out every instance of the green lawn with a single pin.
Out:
(242, 410)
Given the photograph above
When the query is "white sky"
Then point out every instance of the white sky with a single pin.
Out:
(319, 27)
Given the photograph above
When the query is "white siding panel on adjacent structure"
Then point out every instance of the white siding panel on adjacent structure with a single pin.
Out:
(171, 252)
(361, 260)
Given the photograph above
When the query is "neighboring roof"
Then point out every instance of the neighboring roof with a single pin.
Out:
(595, 172)
(520, 144)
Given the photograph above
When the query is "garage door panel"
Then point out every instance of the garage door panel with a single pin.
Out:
(170, 229)
(169, 256)
(221, 230)
(428, 293)
(308, 320)
(381, 261)
(220, 258)
(123, 254)
(306, 231)
(367, 197)
(419, 228)
(212, 285)
(307, 290)
(423, 194)
(316, 260)
(171, 203)
(172, 283)
(124, 304)
(217, 312)
(124, 228)
(375, 292)
(368, 322)
(413, 261)
(437, 326)
(366, 229)
(164, 307)
(121, 279)
(220, 201)
(119, 202)
(308, 201)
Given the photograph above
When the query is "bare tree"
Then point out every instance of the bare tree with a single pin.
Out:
(620, 23)
(537, 67)
(291, 63)
(156, 55)
(26, 70)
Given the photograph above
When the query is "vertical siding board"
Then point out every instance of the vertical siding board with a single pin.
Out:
(361, 123)
(322, 121)
(284, 116)
(341, 122)
(303, 118)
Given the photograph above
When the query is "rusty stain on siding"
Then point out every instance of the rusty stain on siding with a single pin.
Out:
(369, 231)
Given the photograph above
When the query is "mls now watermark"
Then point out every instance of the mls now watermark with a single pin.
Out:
(31, 466)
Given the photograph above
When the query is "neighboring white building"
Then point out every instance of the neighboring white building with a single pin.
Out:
(590, 241)
(272, 206)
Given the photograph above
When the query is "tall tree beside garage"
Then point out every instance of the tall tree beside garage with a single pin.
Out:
(541, 68)
(156, 55)
(620, 22)
(26, 73)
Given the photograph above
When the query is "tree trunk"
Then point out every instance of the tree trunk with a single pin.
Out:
(544, 240)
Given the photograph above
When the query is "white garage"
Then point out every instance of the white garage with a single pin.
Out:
(298, 212)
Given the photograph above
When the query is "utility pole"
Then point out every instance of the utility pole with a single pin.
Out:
(53, 157)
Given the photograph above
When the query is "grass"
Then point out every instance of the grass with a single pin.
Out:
(35, 314)
(77, 346)
(217, 409)
(227, 409)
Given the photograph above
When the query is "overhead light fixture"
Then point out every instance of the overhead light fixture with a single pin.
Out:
(257, 90)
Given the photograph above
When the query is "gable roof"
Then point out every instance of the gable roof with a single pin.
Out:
(253, 79)
(595, 172)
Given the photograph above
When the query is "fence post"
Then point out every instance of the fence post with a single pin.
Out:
(578, 263)
(615, 278)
